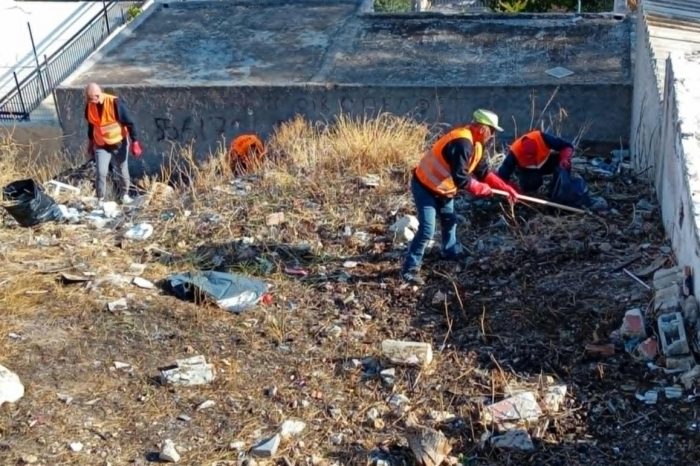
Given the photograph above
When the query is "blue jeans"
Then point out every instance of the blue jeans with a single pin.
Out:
(429, 206)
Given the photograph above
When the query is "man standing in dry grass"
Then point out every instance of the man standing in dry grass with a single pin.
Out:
(110, 129)
(456, 162)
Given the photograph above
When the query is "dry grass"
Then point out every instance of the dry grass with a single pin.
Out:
(69, 341)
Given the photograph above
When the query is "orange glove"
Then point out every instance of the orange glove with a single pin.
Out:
(136, 149)
(479, 189)
(495, 182)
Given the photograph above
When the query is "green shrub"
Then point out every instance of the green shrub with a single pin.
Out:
(543, 6)
(392, 6)
(132, 12)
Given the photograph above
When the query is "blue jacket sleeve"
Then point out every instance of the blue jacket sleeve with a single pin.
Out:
(505, 171)
(125, 119)
(556, 143)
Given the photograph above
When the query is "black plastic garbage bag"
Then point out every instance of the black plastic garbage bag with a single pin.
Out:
(27, 202)
(232, 292)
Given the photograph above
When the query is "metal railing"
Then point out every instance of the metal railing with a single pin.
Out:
(50, 71)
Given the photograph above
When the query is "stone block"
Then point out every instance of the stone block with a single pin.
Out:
(684, 363)
(672, 334)
(666, 277)
(668, 299)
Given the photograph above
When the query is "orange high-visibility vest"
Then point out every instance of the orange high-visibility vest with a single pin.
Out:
(433, 171)
(106, 130)
(246, 152)
(528, 160)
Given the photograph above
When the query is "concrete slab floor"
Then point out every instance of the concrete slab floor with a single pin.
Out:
(244, 42)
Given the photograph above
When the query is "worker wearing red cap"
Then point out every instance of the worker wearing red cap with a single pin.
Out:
(536, 154)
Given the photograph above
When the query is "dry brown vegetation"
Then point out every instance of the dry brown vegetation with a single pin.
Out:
(537, 289)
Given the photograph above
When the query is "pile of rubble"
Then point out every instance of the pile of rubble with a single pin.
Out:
(667, 335)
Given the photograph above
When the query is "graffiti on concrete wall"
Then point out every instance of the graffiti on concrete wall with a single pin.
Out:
(182, 126)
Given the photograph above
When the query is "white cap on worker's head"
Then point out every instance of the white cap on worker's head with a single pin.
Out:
(488, 118)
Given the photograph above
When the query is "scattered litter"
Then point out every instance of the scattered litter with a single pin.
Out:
(205, 405)
(140, 231)
(559, 72)
(516, 439)
(291, 428)
(522, 406)
(267, 448)
(673, 393)
(404, 229)
(649, 397)
(370, 181)
(607, 349)
(121, 365)
(407, 352)
(143, 283)
(69, 277)
(276, 218)
(296, 271)
(231, 292)
(349, 264)
(76, 446)
(118, 305)
(56, 187)
(554, 397)
(11, 388)
(168, 452)
(69, 214)
(190, 371)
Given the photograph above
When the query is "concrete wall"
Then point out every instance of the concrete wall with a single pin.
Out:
(678, 173)
(645, 131)
(169, 117)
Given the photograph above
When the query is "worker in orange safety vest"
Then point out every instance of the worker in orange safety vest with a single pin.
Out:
(536, 154)
(246, 154)
(456, 162)
(111, 132)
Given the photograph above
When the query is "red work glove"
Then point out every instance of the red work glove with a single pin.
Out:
(479, 189)
(496, 182)
(136, 149)
(565, 158)
(90, 153)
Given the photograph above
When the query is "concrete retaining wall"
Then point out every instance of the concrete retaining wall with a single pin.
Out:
(645, 131)
(678, 169)
(168, 117)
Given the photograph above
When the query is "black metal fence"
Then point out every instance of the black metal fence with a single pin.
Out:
(50, 71)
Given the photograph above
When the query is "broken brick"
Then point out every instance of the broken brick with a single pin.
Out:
(607, 349)
(633, 324)
(648, 349)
